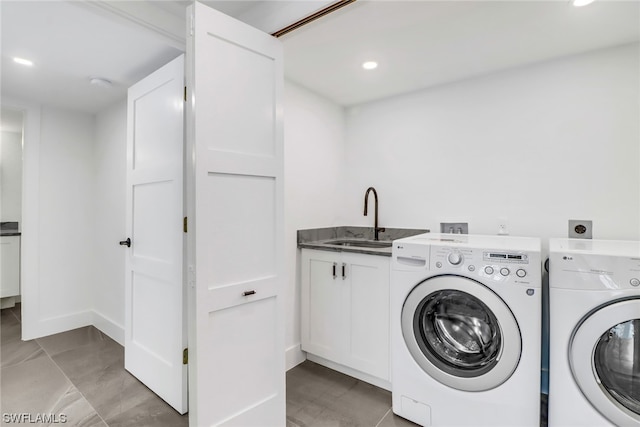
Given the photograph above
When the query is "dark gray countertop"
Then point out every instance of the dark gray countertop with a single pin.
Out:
(9, 228)
(317, 238)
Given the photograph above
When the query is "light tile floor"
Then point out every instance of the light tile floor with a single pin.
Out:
(81, 374)
(321, 397)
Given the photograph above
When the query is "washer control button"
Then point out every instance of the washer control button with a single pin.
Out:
(488, 269)
(521, 273)
(504, 271)
(472, 268)
(635, 282)
(455, 258)
(439, 264)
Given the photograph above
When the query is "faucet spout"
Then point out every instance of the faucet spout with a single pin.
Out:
(376, 229)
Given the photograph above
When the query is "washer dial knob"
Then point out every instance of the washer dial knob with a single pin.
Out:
(455, 258)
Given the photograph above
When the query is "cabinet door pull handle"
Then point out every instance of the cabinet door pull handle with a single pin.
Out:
(247, 293)
(344, 271)
(334, 269)
(126, 243)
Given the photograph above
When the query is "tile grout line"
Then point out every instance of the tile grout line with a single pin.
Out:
(18, 319)
(69, 379)
(383, 417)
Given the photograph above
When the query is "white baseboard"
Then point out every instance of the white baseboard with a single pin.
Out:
(378, 382)
(8, 302)
(108, 327)
(294, 356)
(56, 325)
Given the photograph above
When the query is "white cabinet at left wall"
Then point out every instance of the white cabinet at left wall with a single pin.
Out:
(9, 266)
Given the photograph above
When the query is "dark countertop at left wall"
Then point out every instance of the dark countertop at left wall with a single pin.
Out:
(9, 228)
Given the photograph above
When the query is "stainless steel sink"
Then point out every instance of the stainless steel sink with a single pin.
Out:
(360, 243)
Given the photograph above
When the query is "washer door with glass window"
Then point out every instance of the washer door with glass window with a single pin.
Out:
(461, 333)
(604, 355)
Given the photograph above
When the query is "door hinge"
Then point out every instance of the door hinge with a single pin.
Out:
(184, 224)
(185, 94)
(185, 356)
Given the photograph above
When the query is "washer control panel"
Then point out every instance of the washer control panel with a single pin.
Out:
(499, 265)
(455, 258)
(510, 257)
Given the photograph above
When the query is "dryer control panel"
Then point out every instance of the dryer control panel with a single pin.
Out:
(571, 270)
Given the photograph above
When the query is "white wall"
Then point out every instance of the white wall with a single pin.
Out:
(538, 145)
(65, 226)
(108, 212)
(314, 176)
(11, 176)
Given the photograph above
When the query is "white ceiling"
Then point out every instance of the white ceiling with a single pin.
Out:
(119, 40)
(69, 44)
(417, 43)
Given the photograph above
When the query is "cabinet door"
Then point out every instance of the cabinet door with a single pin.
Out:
(9, 266)
(322, 302)
(367, 309)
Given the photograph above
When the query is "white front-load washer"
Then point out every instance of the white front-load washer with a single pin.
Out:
(594, 340)
(466, 330)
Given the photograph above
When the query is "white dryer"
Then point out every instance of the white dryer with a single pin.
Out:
(594, 309)
(466, 330)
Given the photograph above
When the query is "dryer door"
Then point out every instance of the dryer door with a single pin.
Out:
(604, 354)
(461, 333)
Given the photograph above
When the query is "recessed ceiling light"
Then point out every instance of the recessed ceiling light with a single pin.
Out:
(580, 3)
(100, 82)
(23, 61)
(370, 65)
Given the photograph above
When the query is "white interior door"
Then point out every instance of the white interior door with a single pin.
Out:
(236, 231)
(155, 320)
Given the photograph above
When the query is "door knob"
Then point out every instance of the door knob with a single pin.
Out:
(126, 243)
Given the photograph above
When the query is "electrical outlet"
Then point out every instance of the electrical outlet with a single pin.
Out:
(454, 227)
(503, 226)
(580, 229)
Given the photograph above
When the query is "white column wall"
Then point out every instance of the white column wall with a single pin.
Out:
(314, 177)
(65, 222)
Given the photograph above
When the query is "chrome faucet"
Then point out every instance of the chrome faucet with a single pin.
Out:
(376, 229)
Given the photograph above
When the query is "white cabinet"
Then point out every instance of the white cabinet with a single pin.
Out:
(9, 266)
(345, 310)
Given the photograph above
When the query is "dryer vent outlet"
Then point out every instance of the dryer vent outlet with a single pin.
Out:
(580, 229)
